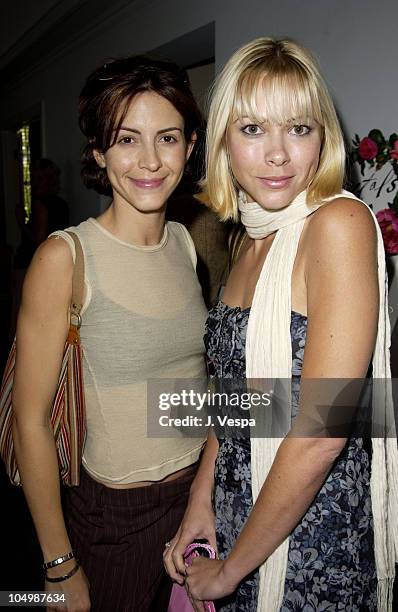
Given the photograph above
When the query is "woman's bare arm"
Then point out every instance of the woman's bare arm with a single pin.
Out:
(42, 328)
(198, 521)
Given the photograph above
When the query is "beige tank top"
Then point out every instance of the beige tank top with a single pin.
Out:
(143, 318)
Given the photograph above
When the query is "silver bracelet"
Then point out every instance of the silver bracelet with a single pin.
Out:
(62, 578)
(55, 562)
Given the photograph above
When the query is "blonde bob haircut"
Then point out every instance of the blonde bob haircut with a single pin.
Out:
(292, 88)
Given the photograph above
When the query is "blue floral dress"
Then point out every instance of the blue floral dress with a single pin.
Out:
(331, 563)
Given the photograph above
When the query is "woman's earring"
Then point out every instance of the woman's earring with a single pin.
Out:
(242, 198)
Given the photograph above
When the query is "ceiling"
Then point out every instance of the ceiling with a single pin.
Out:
(30, 29)
(22, 19)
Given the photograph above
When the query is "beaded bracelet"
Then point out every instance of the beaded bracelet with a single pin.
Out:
(58, 561)
(65, 577)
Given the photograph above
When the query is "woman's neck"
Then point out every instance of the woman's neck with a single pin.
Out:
(133, 226)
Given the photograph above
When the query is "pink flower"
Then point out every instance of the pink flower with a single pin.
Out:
(394, 152)
(388, 222)
(367, 148)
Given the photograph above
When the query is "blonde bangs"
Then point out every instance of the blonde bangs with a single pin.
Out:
(283, 95)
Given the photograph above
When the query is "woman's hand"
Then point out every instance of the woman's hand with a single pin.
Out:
(76, 591)
(198, 523)
(207, 579)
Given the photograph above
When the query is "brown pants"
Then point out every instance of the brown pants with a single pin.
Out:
(119, 537)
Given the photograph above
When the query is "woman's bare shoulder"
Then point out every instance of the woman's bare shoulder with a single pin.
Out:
(345, 217)
(54, 254)
(49, 276)
(341, 244)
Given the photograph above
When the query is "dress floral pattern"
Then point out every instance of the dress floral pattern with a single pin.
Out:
(331, 563)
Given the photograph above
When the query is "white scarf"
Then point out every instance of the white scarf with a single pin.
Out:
(269, 355)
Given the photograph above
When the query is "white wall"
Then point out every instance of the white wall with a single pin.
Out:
(355, 42)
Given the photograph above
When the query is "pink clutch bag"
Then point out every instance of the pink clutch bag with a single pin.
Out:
(179, 600)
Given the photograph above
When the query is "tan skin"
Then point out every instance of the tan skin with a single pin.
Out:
(334, 283)
(43, 320)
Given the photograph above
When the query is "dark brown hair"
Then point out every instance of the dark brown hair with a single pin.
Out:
(105, 98)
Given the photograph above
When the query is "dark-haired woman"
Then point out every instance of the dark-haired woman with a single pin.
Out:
(143, 318)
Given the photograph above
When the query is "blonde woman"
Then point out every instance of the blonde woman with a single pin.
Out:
(299, 525)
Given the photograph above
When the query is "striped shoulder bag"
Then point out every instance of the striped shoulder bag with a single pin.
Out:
(67, 418)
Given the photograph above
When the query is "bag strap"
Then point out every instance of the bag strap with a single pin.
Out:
(77, 282)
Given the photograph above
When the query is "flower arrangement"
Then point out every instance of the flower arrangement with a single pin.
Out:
(374, 151)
